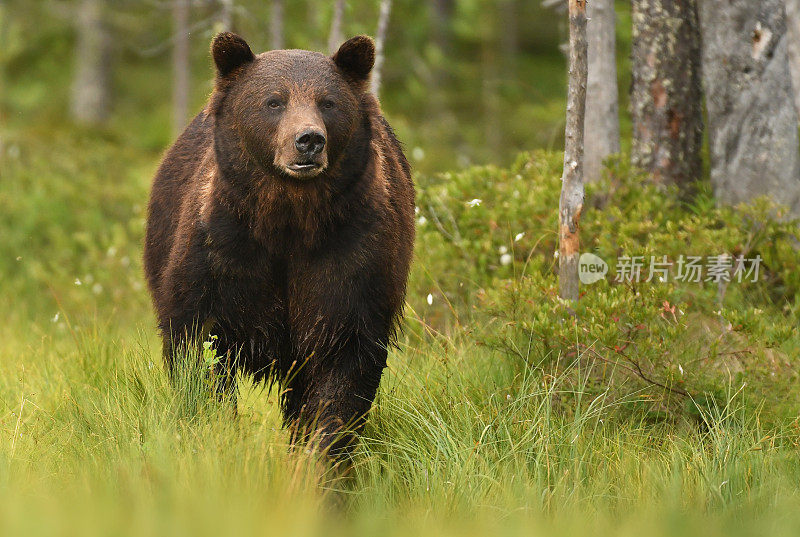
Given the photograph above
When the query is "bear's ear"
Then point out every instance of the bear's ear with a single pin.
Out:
(356, 57)
(230, 52)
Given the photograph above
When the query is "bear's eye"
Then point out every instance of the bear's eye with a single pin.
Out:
(274, 104)
(327, 104)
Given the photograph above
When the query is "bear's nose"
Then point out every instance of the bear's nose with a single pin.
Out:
(309, 142)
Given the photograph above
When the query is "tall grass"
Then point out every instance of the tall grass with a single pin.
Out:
(97, 441)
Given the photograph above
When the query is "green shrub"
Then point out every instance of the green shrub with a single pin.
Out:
(487, 239)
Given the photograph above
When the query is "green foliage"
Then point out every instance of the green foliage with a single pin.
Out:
(487, 238)
(76, 214)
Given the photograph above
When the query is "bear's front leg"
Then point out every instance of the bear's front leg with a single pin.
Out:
(196, 348)
(340, 332)
(344, 301)
(335, 391)
(193, 339)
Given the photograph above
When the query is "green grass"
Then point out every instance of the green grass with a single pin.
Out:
(95, 439)
(460, 442)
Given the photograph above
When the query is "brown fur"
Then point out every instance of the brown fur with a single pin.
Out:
(297, 262)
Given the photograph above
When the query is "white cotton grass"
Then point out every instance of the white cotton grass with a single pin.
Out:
(475, 202)
(506, 259)
(421, 220)
(430, 299)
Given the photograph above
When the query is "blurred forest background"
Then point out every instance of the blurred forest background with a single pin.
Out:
(469, 82)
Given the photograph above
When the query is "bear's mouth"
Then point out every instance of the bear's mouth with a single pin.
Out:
(305, 169)
(302, 167)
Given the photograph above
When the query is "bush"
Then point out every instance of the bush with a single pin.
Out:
(487, 239)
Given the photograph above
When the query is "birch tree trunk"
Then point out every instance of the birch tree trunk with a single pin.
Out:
(336, 36)
(276, 25)
(180, 66)
(571, 201)
(793, 47)
(226, 15)
(313, 19)
(380, 43)
(602, 100)
(752, 119)
(91, 86)
(666, 94)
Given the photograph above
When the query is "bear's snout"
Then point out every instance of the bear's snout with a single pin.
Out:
(310, 142)
(303, 142)
(309, 157)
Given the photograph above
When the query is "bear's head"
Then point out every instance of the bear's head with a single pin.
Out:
(292, 111)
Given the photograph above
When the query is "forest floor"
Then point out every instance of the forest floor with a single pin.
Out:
(662, 407)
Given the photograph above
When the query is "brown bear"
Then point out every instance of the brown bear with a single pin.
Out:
(282, 222)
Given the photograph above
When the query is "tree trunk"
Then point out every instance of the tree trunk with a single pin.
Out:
(91, 87)
(793, 47)
(226, 15)
(508, 15)
(440, 77)
(751, 114)
(180, 66)
(442, 17)
(313, 21)
(666, 94)
(571, 202)
(276, 25)
(490, 97)
(380, 43)
(336, 36)
(602, 101)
